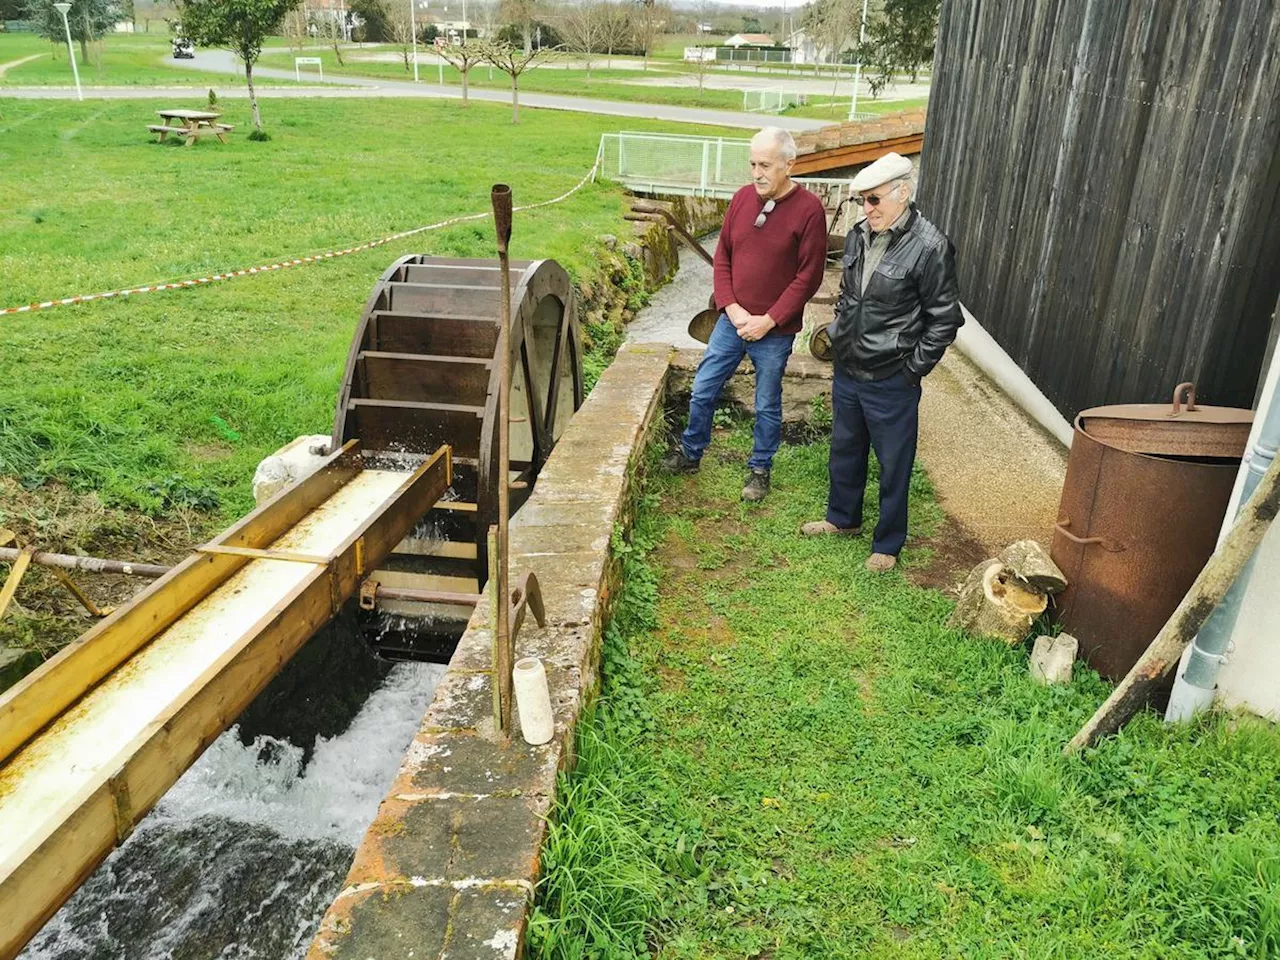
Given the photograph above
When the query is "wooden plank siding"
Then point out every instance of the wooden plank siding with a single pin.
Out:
(1109, 171)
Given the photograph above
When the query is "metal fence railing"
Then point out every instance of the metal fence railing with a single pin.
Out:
(681, 165)
(675, 164)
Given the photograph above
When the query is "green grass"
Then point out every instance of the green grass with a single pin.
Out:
(167, 399)
(792, 758)
(604, 84)
(119, 60)
(836, 110)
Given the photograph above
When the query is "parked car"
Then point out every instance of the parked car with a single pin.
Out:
(183, 49)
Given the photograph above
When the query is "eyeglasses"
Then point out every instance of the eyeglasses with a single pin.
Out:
(871, 200)
(768, 209)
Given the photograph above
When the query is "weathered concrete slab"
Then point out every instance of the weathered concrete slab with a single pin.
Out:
(448, 867)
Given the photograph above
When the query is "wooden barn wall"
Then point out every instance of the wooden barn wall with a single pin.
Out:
(1109, 171)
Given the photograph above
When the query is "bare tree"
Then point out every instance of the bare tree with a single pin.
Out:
(649, 25)
(514, 62)
(294, 29)
(585, 27)
(400, 32)
(834, 26)
(523, 13)
(462, 57)
(618, 30)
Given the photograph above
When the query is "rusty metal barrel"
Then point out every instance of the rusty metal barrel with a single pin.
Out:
(1146, 489)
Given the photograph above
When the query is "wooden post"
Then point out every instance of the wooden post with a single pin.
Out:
(496, 658)
(1205, 594)
(15, 577)
(501, 199)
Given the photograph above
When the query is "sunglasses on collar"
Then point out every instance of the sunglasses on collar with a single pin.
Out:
(768, 209)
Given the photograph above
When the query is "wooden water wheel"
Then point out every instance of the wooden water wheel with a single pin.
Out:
(423, 371)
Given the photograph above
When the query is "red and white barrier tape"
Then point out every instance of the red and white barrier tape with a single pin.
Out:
(285, 264)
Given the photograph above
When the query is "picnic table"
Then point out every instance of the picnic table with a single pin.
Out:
(191, 125)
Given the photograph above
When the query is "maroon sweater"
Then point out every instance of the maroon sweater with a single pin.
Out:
(777, 268)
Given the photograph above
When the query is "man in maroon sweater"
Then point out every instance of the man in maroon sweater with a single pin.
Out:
(768, 265)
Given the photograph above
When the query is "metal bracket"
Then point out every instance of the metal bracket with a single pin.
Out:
(121, 805)
(526, 595)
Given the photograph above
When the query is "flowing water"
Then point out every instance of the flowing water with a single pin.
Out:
(244, 854)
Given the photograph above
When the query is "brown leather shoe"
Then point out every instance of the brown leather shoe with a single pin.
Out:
(823, 528)
(881, 562)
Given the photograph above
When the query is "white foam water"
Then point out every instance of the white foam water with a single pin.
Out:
(245, 852)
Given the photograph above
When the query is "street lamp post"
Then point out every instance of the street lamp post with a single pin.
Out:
(857, 74)
(62, 8)
(413, 32)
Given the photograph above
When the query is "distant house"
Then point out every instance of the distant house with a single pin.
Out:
(804, 49)
(749, 40)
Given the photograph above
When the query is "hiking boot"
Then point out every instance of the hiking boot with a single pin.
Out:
(677, 462)
(881, 562)
(824, 528)
(757, 485)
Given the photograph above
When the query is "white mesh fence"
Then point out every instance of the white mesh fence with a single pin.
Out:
(770, 100)
(703, 166)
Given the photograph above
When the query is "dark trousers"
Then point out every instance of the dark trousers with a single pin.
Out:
(876, 414)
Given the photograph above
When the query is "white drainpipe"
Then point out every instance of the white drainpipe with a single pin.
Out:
(1194, 688)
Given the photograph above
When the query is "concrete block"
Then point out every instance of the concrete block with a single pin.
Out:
(291, 463)
(449, 762)
(488, 924)
(405, 922)
(464, 840)
(1052, 658)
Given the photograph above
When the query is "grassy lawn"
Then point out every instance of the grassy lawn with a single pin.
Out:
(837, 110)
(792, 758)
(604, 84)
(166, 400)
(119, 60)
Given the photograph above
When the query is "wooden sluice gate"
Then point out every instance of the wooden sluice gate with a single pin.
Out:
(91, 740)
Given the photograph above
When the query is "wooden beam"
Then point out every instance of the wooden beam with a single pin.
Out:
(43, 694)
(855, 154)
(15, 577)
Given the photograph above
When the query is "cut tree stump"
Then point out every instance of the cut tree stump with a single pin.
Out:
(1031, 562)
(993, 603)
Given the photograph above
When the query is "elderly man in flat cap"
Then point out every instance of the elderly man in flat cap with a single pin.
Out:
(768, 264)
(897, 312)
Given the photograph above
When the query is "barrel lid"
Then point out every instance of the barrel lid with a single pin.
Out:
(1171, 429)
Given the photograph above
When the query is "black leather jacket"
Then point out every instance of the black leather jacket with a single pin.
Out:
(910, 311)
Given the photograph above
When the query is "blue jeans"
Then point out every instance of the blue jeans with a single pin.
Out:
(873, 414)
(724, 352)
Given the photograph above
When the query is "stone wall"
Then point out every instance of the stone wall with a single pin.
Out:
(806, 388)
(448, 867)
(615, 292)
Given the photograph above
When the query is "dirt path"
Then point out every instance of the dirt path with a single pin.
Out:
(19, 62)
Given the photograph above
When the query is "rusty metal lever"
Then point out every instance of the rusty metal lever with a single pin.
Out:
(1109, 546)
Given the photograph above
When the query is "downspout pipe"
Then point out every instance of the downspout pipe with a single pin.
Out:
(1194, 688)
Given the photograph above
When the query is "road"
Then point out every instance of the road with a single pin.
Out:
(222, 61)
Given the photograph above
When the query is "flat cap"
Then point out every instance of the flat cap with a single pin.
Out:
(892, 166)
